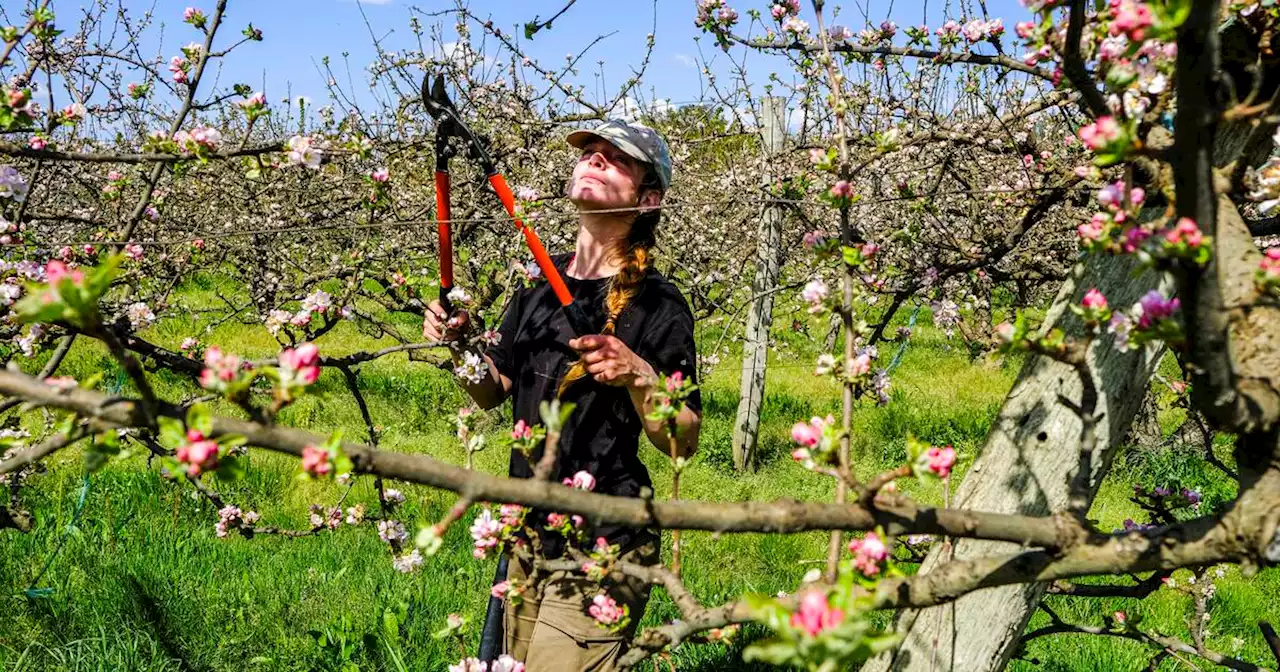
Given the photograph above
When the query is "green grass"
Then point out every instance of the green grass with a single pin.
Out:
(140, 582)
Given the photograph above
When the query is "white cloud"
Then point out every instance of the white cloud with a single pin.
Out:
(686, 60)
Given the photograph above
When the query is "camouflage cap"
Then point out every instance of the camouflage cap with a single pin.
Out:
(637, 140)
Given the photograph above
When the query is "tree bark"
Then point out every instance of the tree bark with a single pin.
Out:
(1031, 452)
(755, 350)
(1026, 466)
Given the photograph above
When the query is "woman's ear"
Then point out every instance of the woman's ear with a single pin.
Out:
(650, 199)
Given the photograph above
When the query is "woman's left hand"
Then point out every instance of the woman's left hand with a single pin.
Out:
(611, 362)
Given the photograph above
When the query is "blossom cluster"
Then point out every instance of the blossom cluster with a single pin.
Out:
(230, 517)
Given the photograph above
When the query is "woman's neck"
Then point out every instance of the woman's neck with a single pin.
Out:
(599, 237)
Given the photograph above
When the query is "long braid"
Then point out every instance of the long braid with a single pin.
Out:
(623, 287)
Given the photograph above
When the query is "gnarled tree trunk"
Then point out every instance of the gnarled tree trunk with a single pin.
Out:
(1031, 453)
(1026, 467)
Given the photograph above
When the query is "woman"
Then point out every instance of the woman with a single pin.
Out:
(644, 329)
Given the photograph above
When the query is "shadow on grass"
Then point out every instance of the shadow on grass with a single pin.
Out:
(151, 613)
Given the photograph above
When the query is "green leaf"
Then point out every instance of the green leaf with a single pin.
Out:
(93, 380)
(230, 468)
(171, 433)
(100, 278)
(230, 441)
(915, 447)
(773, 651)
(200, 419)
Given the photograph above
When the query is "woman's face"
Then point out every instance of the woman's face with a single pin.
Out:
(606, 177)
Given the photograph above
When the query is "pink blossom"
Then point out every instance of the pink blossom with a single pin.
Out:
(860, 366)
(522, 431)
(198, 244)
(1094, 300)
(55, 271)
(484, 533)
(1112, 195)
(815, 614)
(1154, 307)
(581, 481)
(1131, 18)
(178, 68)
(1270, 264)
(470, 665)
(814, 238)
(1134, 237)
(605, 610)
(37, 142)
(219, 369)
(200, 456)
(300, 366)
(810, 433)
(1185, 231)
(499, 590)
(941, 460)
(1101, 133)
(975, 30)
(868, 552)
(509, 514)
(134, 251)
(795, 26)
(842, 189)
(380, 175)
(674, 381)
(315, 461)
(814, 293)
(1113, 47)
(1025, 29)
(1092, 230)
(392, 532)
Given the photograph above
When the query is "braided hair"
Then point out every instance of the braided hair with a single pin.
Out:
(633, 255)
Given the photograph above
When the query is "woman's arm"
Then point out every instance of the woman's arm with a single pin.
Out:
(688, 422)
(492, 389)
(611, 362)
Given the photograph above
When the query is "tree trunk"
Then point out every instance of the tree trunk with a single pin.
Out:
(1026, 467)
(755, 350)
(1031, 452)
(1145, 433)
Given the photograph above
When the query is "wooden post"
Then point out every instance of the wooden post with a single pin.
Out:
(755, 350)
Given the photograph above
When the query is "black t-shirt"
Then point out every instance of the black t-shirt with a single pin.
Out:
(603, 434)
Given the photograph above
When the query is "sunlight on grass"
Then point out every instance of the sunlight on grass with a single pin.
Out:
(142, 583)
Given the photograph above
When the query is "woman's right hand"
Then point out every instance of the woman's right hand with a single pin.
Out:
(439, 326)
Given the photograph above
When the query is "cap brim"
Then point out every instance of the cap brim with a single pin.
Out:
(580, 139)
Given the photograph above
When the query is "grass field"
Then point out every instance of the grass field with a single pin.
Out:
(140, 582)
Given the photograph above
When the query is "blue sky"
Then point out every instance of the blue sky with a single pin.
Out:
(300, 32)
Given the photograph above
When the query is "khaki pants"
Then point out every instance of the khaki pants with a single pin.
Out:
(557, 634)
